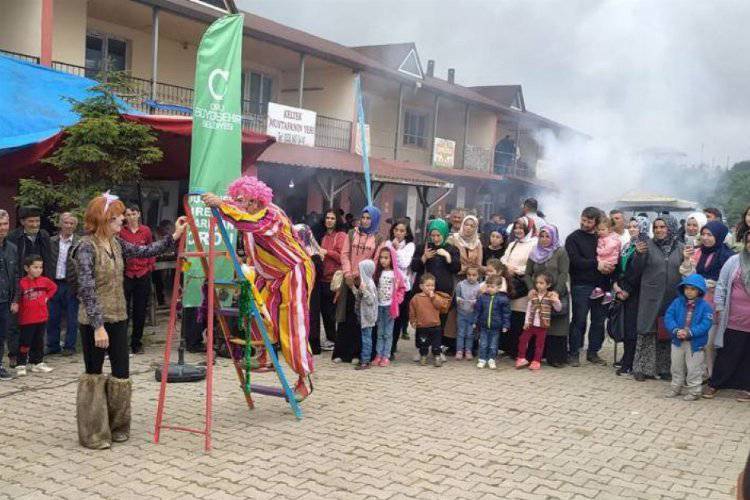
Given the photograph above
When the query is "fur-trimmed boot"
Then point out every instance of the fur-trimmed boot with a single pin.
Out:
(118, 402)
(91, 412)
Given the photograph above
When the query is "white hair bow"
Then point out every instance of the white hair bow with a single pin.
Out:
(110, 199)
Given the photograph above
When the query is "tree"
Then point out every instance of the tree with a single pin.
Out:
(99, 152)
(733, 191)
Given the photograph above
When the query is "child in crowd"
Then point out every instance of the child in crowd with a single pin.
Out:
(424, 315)
(493, 315)
(538, 313)
(688, 319)
(391, 291)
(608, 247)
(366, 306)
(466, 294)
(35, 291)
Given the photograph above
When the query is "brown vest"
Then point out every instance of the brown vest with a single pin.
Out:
(108, 275)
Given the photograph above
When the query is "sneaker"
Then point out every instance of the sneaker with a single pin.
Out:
(438, 361)
(521, 363)
(377, 360)
(742, 396)
(417, 358)
(5, 374)
(674, 393)
(691, 397)
(385, 362)
(481, 363)
(468, 355)
(20, 370)
(594, 358)
(623, 371)
(491, 364)
(327, 346)
(574, 361)
(442, 357)
(423, 360)
(597, 293)
(405, 336)
(362, 366)
(355, 361)
(40, 368)
(337, 360)
(535, 365)
(459, 355)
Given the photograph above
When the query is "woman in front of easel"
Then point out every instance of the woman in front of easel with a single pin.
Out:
(103, 402)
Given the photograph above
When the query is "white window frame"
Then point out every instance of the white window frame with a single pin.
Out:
(425, 137)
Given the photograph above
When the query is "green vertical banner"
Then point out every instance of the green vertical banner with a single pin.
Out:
(216, 148)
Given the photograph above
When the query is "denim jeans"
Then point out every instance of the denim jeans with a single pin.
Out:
(488, 340)
(64, 303)
(385, 332)
(582, 306)
(465, 331)
(366, 344)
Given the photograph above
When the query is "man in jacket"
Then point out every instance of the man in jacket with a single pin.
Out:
(29, 239)
(8, 286)
(64, 303)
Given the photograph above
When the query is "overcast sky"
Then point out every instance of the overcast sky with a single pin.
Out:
(668, 74)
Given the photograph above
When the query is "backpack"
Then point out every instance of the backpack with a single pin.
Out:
(71, 268)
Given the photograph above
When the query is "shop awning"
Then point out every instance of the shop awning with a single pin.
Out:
(333, 159)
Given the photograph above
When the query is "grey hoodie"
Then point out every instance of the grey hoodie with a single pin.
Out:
(366, 303)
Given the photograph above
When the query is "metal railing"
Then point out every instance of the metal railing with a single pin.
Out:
(511, 164)
(477, 158)
(333, 133)
(22, 57)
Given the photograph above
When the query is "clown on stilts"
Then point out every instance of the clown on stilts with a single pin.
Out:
(285, 273)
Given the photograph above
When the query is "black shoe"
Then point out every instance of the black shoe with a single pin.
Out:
(639, 377)
(12, 361)
(557, 365)
(617, 364)
(138, 350)
(69, 352)
(5, 374)
(574, 361)
(623, 371)
(595, 359)
(667, 377)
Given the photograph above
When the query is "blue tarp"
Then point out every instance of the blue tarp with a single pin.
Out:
(32, 104)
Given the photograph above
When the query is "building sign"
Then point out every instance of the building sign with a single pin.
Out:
(444, 153)
(358, 139)
(291, 125)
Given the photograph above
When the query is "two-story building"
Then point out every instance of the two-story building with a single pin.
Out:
(433, 144)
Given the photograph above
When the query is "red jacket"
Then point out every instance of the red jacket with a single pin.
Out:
(135, 268)
(333, 244)
(34, 294)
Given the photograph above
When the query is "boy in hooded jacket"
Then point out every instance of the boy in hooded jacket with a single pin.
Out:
(688, 319)
(493, 315)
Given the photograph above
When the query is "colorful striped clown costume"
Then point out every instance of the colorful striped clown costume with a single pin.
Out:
(285, 272)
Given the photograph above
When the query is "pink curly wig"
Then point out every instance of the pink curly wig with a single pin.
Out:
(252, 189)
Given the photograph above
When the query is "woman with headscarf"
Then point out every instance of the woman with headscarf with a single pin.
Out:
(549, 256)
(627, 287)
(439, 258)
(732, 339)
(693, 225)
(466, 239)
(496, 242)
(515, 260)
(707, 260)
(307, 239)
(658, 269)
(360, 244)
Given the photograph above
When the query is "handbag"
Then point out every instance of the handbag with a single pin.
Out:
(616, 321)
(519, 288)
(662, 334)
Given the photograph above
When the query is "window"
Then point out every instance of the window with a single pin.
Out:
(257, 90)
(105, 53)
(415, 129)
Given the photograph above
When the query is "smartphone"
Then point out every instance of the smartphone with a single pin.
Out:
(690, 241)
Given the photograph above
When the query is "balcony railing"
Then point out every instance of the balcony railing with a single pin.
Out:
(511, 164)
(477, 158)
(329, 132)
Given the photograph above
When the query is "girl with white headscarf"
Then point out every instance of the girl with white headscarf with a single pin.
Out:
(468, 243)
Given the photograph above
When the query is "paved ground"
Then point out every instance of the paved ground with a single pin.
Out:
(399, 432)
